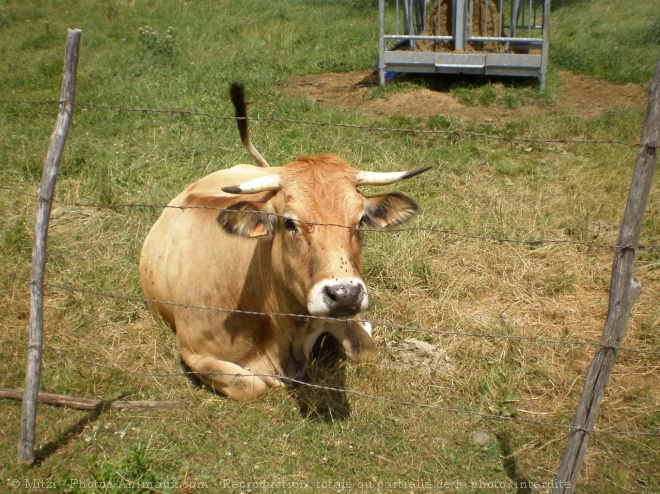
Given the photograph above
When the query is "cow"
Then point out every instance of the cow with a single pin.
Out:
(251, 265)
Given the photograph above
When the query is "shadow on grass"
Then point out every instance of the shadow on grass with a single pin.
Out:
(327, 370)
(445, 83)
(48, 449)
(510, 465)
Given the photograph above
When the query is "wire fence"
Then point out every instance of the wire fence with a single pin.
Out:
(370, 396)
(368, 128)
(403, 328)
(374, 322)
(341, 390)
(361, 394)
(429, 229)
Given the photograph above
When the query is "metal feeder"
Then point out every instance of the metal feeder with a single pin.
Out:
(479, 37)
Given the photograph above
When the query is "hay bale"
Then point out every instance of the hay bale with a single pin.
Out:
(440, 22)
(485, 23)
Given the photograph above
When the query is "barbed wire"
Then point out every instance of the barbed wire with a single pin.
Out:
(401, 327)
(368, 128)
(298, 382)
(443, 231)
(436, 332)
(361, 394)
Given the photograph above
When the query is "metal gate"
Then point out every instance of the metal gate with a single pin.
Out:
(486, 37)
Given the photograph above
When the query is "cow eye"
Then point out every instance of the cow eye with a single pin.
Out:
(290, 225)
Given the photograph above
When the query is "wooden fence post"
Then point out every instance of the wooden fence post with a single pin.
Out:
(623, 292)
(46, 192)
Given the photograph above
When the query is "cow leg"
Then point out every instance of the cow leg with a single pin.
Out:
(226, 377)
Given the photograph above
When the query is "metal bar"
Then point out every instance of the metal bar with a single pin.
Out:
(411, 22)
(461, 67)
(532, 41)
(418, 38)
(459, 25)
(486, 2)
(515, 11)
(407, 21)
(381, 42)
(515, 4)
(397, 16)
(546, 43)
(438, 24)
(501, 21)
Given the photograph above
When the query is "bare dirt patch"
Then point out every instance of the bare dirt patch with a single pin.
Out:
(350, 91)
(425, 358)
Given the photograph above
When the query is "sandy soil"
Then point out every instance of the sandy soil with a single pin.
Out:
(579, 95)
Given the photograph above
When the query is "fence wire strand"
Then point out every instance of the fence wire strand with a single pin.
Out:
(425, 229)
(400, 327)
(368, 128)
(438, 332)
(361, 394)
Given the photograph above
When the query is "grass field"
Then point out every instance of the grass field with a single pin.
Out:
(393, 432)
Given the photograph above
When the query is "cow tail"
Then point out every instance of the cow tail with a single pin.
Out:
(238, 99)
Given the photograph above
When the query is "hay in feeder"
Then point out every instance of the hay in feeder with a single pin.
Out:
(484, 14)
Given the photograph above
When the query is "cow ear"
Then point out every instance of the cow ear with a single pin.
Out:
(247, 219)
(388, 211)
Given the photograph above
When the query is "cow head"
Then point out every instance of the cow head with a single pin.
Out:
(314, 215)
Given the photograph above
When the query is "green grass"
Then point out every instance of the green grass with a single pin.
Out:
(111, 348)
(615, 40)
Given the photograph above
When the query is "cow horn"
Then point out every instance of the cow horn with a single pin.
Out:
(261, 184)
(380, 178)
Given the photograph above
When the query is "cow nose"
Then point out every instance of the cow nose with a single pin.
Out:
(343, 299)
(338, 297)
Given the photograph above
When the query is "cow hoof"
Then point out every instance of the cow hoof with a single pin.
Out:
(244, 388)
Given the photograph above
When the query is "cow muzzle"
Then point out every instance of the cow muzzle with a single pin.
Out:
(338, 297)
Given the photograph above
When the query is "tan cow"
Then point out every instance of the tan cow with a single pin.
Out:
(242, 245)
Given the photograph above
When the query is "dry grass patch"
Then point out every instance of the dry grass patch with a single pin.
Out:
(459, 320)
